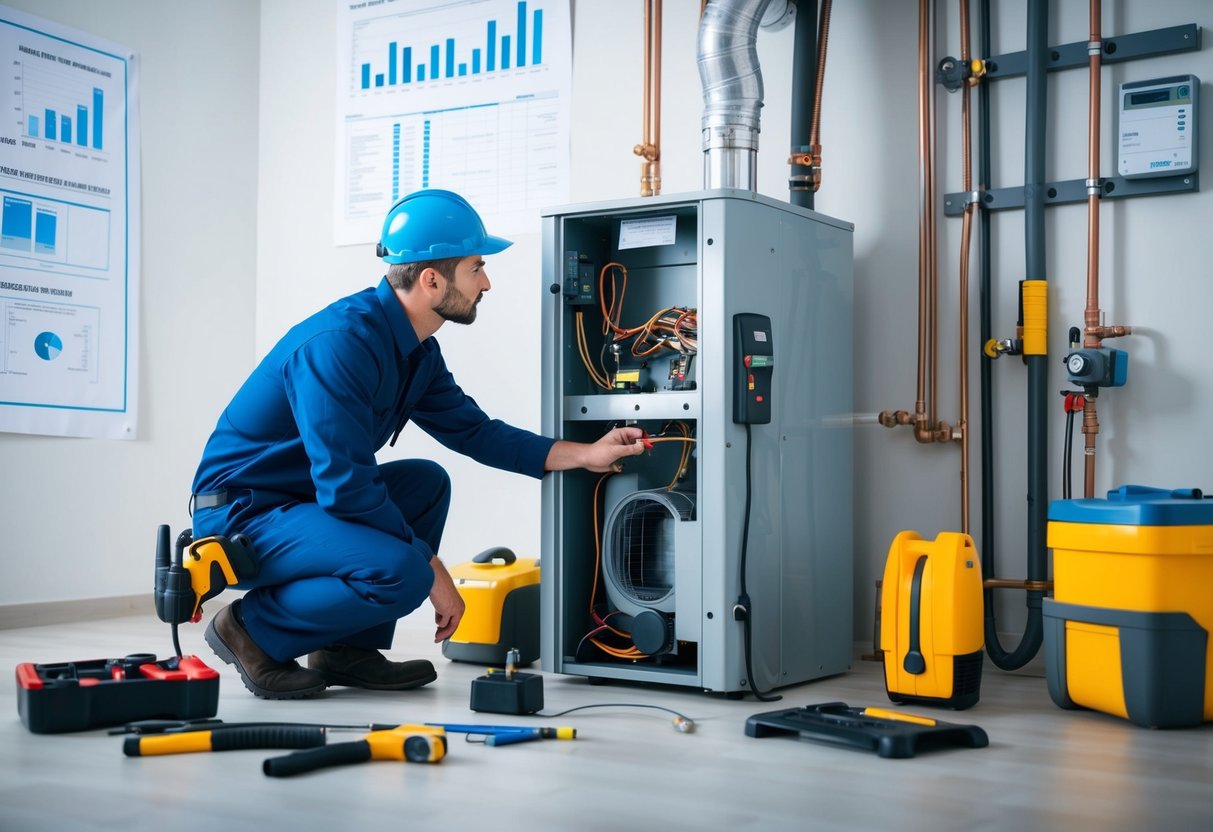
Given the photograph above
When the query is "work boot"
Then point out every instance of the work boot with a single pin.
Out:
(264, 676)
(365, 667)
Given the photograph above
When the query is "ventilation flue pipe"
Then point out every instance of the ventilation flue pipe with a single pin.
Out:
(732, 92)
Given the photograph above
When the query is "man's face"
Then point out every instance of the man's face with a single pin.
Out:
(463, 291)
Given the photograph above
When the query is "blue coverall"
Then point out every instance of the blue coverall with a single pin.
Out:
(343, 542)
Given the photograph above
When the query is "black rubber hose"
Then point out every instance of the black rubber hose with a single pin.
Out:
(1038, 375)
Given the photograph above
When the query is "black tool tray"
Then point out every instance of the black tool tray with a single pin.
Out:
(837, 723)
(77, 696)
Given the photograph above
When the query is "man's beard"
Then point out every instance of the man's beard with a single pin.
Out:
(455, 308)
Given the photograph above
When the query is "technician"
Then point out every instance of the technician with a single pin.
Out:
(346, 545)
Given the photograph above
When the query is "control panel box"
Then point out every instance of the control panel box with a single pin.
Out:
(1156, 127)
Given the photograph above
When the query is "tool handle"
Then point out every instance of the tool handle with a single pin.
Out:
(267, 736)
(227, 739)
(338, 754)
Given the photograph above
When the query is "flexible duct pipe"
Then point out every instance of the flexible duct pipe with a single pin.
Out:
(732, 92)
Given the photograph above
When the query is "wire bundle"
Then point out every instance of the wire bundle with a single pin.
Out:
(674, 328)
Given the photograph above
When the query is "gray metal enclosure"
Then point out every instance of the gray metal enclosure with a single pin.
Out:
(730, 252)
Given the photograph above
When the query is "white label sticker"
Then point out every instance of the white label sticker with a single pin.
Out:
(760, 336)
(651, 231)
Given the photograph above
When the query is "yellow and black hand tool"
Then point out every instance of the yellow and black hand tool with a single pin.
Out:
(225, 738)
(406, 743)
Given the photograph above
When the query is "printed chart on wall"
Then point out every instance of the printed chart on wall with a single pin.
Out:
(469, 95)
(68, 233)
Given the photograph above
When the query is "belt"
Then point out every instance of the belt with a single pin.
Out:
(211, 499)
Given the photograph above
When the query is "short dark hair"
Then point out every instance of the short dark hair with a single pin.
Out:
(404, 275)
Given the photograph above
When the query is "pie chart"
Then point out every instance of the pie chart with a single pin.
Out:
(48, 345)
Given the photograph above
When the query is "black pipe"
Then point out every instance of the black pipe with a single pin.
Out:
(985, 306)
(804, 86)
(1035, 186)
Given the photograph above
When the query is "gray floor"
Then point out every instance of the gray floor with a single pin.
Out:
(628, 770)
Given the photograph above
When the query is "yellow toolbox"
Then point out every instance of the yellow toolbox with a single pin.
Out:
(1127, 631)
(501, 594)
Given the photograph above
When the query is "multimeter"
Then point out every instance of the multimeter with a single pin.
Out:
(1156, 127)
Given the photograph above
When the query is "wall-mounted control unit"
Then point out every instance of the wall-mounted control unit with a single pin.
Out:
(662, 313)
(1156, 126)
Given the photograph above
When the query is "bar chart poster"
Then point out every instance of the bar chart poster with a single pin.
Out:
(467, 95)
(69, 241)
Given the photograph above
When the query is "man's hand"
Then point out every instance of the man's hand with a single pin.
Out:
(448, 603)
(600, 456)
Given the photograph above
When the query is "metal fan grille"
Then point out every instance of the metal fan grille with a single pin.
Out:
(644, 551)
(640, 546)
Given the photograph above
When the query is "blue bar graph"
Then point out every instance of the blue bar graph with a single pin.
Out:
(16, 227)
(395, 161)
(537, 29)
(521, 34)
(45, 224)
(56, 126)
(98, 109)
(448, 57)
(425, 154)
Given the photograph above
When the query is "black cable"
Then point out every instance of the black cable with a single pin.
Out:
(742, 609)
(176, 641)
(1066, 473)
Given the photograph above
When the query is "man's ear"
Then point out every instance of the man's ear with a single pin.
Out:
(428, 279)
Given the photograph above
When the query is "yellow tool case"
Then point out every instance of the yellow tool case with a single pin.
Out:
(501, 594)
(931, 629)
(1127, 631)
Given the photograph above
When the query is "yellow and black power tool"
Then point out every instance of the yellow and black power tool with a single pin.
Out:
(199, 571)
(931, 629)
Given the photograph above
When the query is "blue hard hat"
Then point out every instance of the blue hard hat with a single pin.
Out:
(433, 224)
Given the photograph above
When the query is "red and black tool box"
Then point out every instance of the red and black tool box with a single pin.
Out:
(77, 696)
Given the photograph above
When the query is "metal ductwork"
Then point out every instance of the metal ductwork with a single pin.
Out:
(732, 92)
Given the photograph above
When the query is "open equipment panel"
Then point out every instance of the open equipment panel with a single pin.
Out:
(720, 323)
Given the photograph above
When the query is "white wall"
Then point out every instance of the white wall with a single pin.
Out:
(79, 516)
(1156, 269)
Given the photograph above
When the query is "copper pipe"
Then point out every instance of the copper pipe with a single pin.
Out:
(1090, 429)
(1007, 583)
(815, 124)
(938, 430)
(650, 147)
(966, 236)
(921, 418)
(1091, 315)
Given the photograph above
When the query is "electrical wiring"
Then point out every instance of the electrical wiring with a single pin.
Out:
(603, 621)
(599, 378)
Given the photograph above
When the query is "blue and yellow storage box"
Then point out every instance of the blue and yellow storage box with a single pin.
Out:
(1127, 629)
